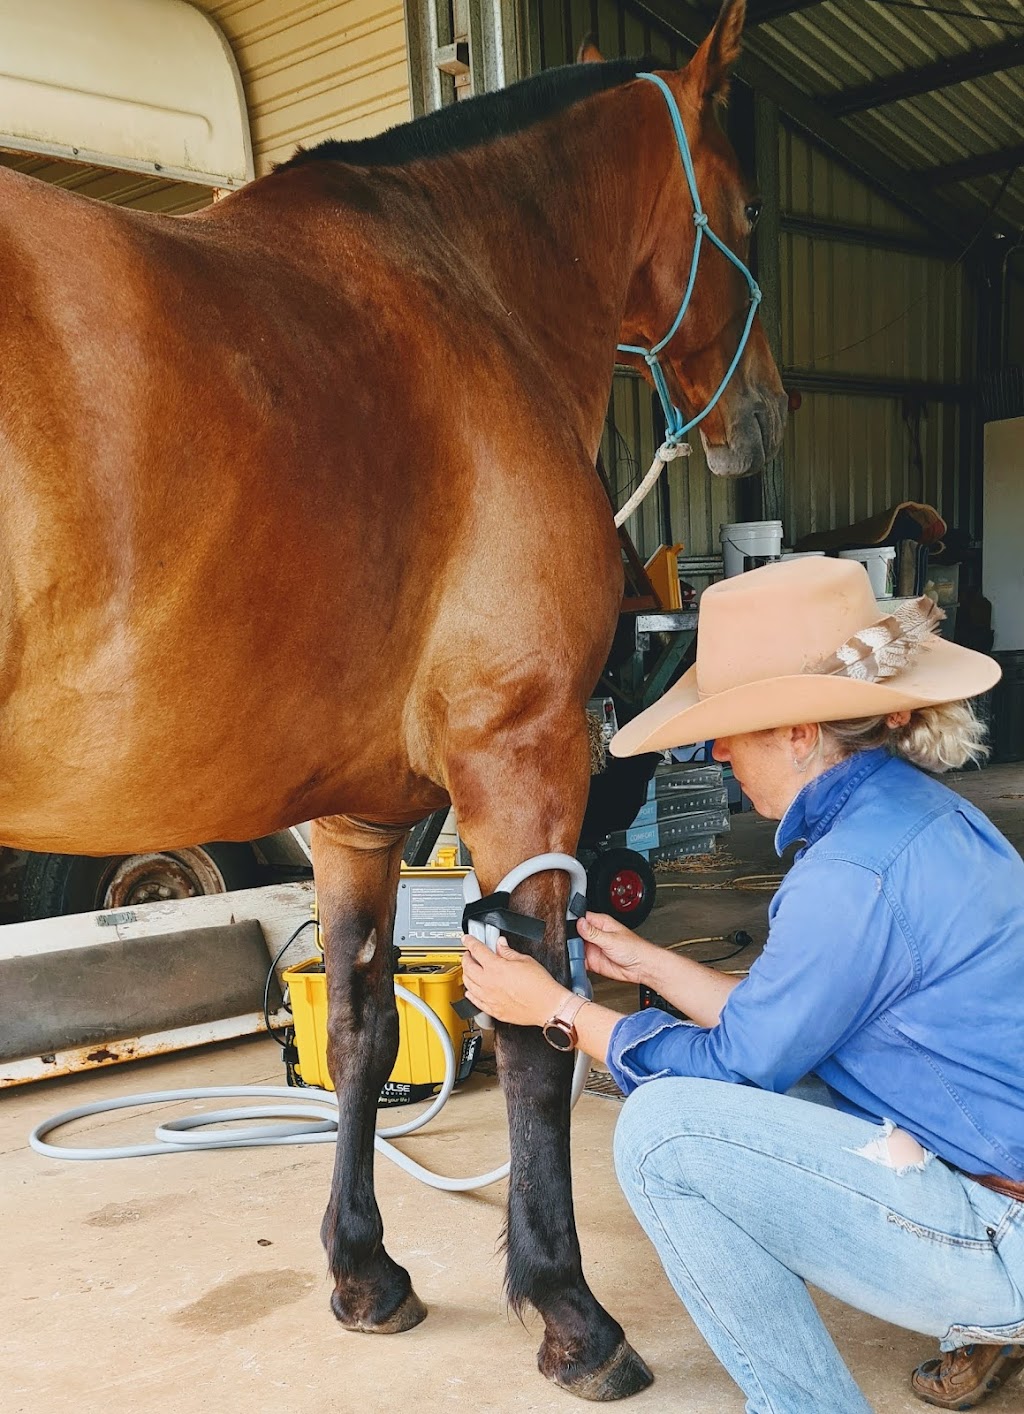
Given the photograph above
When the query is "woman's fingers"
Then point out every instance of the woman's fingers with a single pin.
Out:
(597, 923)
(596, 960)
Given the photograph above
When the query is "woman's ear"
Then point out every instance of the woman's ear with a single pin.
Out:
(802, 741)
(711, 65)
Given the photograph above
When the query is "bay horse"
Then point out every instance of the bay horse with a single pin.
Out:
(299, 520)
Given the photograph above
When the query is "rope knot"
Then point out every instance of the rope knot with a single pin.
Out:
(670, 451)
(700, 218)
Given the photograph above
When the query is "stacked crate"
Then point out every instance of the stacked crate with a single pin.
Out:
(686, 809)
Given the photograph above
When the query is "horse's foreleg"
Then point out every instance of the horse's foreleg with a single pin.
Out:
(356, 869)
(511, 806)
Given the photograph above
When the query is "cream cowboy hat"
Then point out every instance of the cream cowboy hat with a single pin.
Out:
(803, 641)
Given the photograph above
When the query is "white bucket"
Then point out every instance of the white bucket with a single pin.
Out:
(750, 543)
(803, 555)
(880, 563)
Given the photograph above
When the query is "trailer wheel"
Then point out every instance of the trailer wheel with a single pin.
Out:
(622, 883)
(57, 884)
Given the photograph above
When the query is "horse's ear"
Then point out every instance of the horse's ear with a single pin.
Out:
(588, 52)
(712, 62)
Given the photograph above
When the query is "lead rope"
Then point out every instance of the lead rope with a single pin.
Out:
(667, 452)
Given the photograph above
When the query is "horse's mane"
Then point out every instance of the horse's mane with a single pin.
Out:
(477, 120)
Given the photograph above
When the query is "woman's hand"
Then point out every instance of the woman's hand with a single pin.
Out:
(613, 950)
(508, 985)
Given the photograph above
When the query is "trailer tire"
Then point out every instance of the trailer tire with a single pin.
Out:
(622, 883)
(57, 884)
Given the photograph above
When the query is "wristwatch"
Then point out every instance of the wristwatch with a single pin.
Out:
(560, 1030)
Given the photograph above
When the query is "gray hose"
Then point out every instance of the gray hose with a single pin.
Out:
(318, 1109)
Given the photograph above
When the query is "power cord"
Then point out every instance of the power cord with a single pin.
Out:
(283, 1040)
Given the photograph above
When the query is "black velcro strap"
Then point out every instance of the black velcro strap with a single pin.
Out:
(494, 910)
(464, 1009)
(577, 908)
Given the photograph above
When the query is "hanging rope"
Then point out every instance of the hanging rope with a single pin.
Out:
(666, 453)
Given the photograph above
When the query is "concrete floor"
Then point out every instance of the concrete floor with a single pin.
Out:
(141, 1286)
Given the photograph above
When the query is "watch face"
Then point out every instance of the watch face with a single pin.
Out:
(558, 1036)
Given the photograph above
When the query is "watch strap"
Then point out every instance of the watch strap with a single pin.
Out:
(569, 1009)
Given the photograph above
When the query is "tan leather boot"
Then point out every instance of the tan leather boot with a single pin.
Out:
(964, 1378)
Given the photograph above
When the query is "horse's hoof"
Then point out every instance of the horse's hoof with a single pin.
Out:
(408, 1313)
(622, 1374)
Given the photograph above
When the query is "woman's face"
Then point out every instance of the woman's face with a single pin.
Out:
(772, 766)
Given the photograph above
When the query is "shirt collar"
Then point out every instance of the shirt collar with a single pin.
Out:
(816, 806)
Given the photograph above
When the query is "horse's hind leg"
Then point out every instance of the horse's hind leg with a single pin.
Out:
(356, 868)
(521, 794)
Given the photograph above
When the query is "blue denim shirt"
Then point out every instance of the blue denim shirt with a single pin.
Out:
(894, 970)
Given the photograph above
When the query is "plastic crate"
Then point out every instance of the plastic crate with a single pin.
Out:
(668, 779)
(682, 802)
(434, 977)
(664, 832)
(685, 849)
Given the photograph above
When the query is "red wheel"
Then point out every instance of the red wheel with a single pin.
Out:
(621, 882)
(626, 891)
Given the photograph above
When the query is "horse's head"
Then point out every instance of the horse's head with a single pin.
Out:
(744, 429)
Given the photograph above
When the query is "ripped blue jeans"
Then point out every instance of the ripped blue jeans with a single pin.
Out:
(747, 1195)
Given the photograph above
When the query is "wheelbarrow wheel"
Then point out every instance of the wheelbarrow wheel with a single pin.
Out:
(622, 883)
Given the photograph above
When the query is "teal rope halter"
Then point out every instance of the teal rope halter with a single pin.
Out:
(676, 426)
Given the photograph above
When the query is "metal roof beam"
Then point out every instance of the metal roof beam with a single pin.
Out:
(759, 12)
(991, 59)
(764, 12)
(907, 190)
(982, 164)
(873, 237)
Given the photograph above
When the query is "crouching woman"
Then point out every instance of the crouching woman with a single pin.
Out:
(891, 986)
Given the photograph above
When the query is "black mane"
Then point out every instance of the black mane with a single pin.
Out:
(477, 120)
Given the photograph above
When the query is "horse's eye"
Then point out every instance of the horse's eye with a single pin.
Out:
(753, 212)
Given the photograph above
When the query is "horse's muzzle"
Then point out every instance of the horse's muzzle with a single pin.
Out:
(754, 433)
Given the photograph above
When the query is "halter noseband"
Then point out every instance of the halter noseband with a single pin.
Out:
(676, 426)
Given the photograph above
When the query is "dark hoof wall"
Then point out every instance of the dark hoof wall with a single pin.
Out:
(406, 1315)
(623, 1374)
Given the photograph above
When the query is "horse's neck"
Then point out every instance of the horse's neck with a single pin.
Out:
(554, 221)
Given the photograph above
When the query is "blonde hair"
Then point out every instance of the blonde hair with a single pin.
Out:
(936, 739)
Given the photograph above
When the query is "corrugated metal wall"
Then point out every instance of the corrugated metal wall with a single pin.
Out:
(314, 69)
(873, 314)
(109, 184)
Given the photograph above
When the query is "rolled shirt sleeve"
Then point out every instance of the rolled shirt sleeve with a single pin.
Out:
(837, 956)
